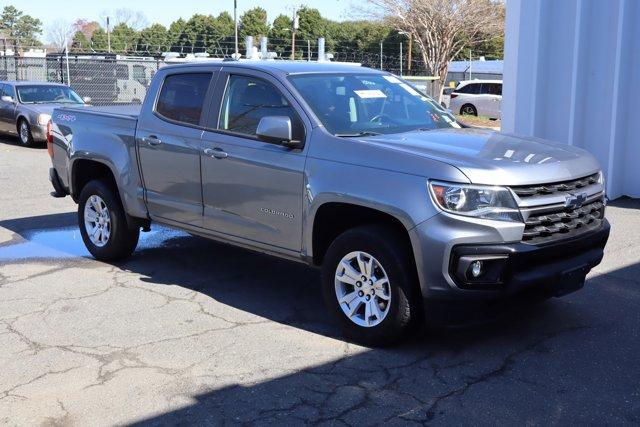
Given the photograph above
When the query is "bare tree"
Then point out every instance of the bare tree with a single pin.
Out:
(132, 18)
(60, 33)
(442, 28)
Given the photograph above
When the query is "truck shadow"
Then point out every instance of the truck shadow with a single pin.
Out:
(523, 361)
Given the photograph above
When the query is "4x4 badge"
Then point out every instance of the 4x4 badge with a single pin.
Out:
(574, 201)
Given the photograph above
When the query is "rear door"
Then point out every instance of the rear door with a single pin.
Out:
(169, 142)
(252, 189)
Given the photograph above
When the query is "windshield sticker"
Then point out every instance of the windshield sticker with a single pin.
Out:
(392, 79)
(409, 89)
(370, 93)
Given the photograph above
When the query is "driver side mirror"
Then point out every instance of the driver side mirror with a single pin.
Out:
(6, 98)
(277, 130)
(86, 99)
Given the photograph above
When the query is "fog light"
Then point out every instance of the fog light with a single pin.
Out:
(476, 268)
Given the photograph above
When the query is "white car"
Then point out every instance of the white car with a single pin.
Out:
(446, 97)
(477, 98)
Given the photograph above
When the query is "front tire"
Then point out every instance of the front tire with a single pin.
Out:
(370, 286)
(103, 223)
(24, 133)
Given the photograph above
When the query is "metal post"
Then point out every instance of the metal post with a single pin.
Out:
(381, 55)
(263, 47)
(469, 64)
(294, 29)
(321, 55)
(400, 59)
(410, 53)
(308, 50)
(248, 41)
(66, 54)
(235, 24)
(108, 36)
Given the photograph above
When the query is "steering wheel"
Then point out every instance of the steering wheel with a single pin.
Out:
(379, 118)
(60, 98)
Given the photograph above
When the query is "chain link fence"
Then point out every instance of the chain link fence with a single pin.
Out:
(112, 79)
(107, 80)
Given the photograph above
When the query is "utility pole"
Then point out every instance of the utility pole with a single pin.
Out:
(294, 28)
(381, 55)
(469, 64)
(308, 50)
(235, 22)
(108, 36)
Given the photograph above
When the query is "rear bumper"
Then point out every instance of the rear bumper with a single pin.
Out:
(556, 268)
(60, 190)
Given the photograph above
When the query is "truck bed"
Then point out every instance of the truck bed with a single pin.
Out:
(130, 111)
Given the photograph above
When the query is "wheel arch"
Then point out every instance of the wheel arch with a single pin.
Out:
(84, 170)
(332, 218)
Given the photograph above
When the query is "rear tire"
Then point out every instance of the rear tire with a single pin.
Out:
(103, 223)
(381, 253)
(24, 133)
(469, 110)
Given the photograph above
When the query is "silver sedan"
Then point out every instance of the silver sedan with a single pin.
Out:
(26, 107)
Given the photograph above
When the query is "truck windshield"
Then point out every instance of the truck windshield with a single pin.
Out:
(41, 94)
(369, 104)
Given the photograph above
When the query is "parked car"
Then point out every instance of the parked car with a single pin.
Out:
(26, 107)
(345, 168)
(478, 98)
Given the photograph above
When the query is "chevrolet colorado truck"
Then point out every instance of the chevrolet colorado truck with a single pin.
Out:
(337, 166)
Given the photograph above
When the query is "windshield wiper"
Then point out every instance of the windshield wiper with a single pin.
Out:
(363, 133)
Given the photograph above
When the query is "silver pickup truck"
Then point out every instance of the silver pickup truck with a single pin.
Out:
(337, 166)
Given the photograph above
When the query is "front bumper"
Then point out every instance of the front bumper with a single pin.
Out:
(558, 267)
(38, 132)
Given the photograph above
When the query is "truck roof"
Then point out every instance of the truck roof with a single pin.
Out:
(286, 67)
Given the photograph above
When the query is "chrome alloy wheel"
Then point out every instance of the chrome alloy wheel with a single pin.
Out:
(97, 221)
(24, 132)
(363, 289)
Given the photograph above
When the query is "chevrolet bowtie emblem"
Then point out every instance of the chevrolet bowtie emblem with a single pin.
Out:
(574, 201)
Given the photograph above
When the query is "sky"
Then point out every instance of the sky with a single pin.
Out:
(49, 11)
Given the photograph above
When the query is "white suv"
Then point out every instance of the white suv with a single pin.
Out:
(477, 98)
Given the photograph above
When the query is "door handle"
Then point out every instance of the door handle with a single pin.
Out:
(218, 153)
(152, 140)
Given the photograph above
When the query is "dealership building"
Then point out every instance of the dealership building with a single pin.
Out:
(572, 74)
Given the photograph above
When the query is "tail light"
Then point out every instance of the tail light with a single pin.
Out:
(50, 138)
(453, 95)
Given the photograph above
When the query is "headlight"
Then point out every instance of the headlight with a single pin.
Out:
(43, 119)
(476, 201)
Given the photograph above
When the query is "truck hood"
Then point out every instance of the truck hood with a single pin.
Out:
(488, 157)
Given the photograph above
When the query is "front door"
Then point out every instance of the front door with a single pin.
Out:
(7, 110)
(169, 141)
(252, 189)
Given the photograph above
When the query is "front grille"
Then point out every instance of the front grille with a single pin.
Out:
(558, 222)
(546, 189)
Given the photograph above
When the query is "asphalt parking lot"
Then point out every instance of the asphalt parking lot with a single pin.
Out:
(191, 331)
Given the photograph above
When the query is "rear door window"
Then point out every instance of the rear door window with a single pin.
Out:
(182, 97)
(471, 89)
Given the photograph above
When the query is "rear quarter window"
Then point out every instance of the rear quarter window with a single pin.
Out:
(182, 97)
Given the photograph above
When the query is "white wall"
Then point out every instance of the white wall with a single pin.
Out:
(572, 74)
